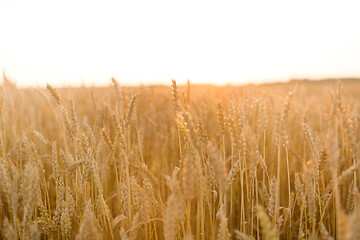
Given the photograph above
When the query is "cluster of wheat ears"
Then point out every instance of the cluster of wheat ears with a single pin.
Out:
(190, 162)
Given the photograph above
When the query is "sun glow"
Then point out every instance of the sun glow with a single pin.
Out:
(70, 42)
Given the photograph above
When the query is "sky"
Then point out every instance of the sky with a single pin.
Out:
(73, 42)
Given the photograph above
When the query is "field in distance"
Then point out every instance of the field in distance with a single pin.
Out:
(269, 161)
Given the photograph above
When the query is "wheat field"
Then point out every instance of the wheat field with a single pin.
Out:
(274, 161)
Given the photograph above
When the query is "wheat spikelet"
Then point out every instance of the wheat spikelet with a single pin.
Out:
(221, 117)
(202, 132)
(34, 231)
(267, 231)
(62, 215)
(350, 198)
(74, 119)
(44, 219)
(8, 230)
(55, 164)
(348, 172)
(308, 136)
(175, 94)
(89, 228)
(65, 220)
(98, 184)
(89, 132)
(54, 93)
(107, 140)
(151, 197)
(130, 112)
(120, 138)
(323, 158)
(123, 235)
(5, 183)
(173, 214)
(68, 161)
(141, 218)
(287, 106)
(189, 178)
(356, 195)
(40, 137)
(233, 172)
(310, 194)
(15, 191)
(347, 122)
(232, 124)
(271, 202)
(219, 168)
(223, 233)
(175, 209)
(30, 191)
(117, 87)
(300, 192)
(324, 233)
(67, 123)
(264, 119)
(253, 159)
(242, 236)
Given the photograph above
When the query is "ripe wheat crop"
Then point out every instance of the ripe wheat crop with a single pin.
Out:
(275, 161)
